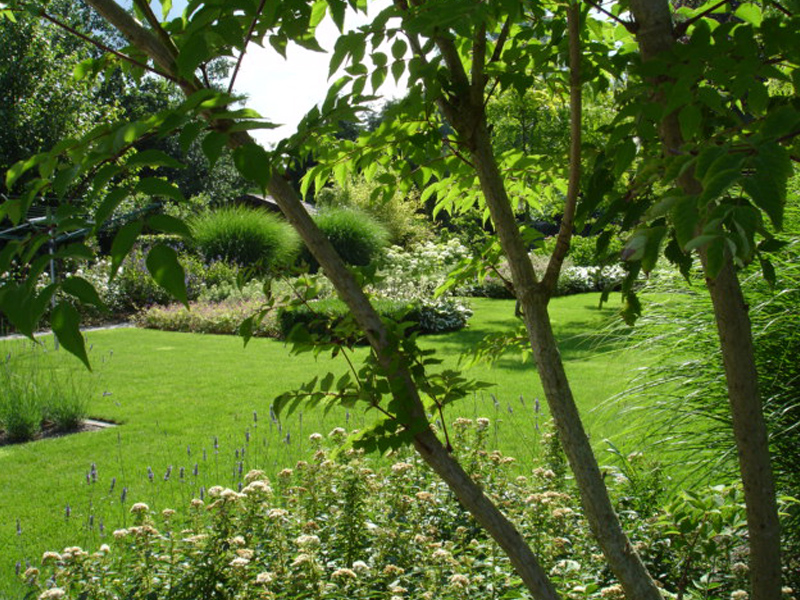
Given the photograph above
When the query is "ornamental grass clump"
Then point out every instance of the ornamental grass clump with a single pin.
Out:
(246, 237)
(38, 393)
(357, 237)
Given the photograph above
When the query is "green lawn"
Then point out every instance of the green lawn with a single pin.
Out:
(174, 394)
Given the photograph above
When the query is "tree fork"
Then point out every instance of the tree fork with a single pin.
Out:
(469, 118)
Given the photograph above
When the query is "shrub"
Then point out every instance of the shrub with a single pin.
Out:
(207, 317)
(400, 215)
(357, 237)
(134, 288)
(419, 271)
(245, 237)
(322, 317)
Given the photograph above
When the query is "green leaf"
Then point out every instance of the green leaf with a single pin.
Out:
(65, 321)
(153, 158)
(193, 52)
(83, 291)
(166, 6)
(399, 49)
(398, 68)
(122, 244)
(749, 13)
(19, 168)
(768, 270)
(624, 157)
(772, 167)
(162, 262)
(685, 218)
(189, 134)
(318, 11)
(213, 144)
(253, 162)
(154, 186)
(690, 118)
(111, 202)
(169, 224)
(652, 249)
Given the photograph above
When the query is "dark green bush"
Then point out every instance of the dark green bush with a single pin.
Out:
(357, 237)
(245, 237)
(321, 317)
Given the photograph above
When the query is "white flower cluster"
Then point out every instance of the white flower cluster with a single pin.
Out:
(417, 273)
(577, 280)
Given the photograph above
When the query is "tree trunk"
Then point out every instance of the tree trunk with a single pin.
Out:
(655, 35)
(750, 432)
(533, 298)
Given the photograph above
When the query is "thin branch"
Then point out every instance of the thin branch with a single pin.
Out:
(449, 143)
(789, 136)
(576, 112)
(630, 26)
(155, 25)
(105, 48)
(681, 28)
(501, 41)
(247, 39)
(491, 92)
(781, 8)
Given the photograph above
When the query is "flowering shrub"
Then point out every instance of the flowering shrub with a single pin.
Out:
(418, 272)
(206, 317)
(579, 280)
(341, 525)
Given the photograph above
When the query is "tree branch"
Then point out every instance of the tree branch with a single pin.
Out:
(247, 39)
(550, 278)
(104, 47)
(143, 39)
(478, 65)
(681, 28)
(781, 8)
(155, 25)
(631, 27)
(501, 41)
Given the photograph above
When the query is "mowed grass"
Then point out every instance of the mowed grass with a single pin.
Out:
(194, 411)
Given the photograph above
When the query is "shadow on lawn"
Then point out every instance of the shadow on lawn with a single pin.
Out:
(577, 339)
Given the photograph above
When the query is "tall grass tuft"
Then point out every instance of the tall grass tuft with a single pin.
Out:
(246, 237)
(358, 238)
(682, 399)
(37, 393)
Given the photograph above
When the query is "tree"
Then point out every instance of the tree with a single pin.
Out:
(459, 51)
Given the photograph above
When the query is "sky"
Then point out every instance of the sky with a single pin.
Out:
(284, 90)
